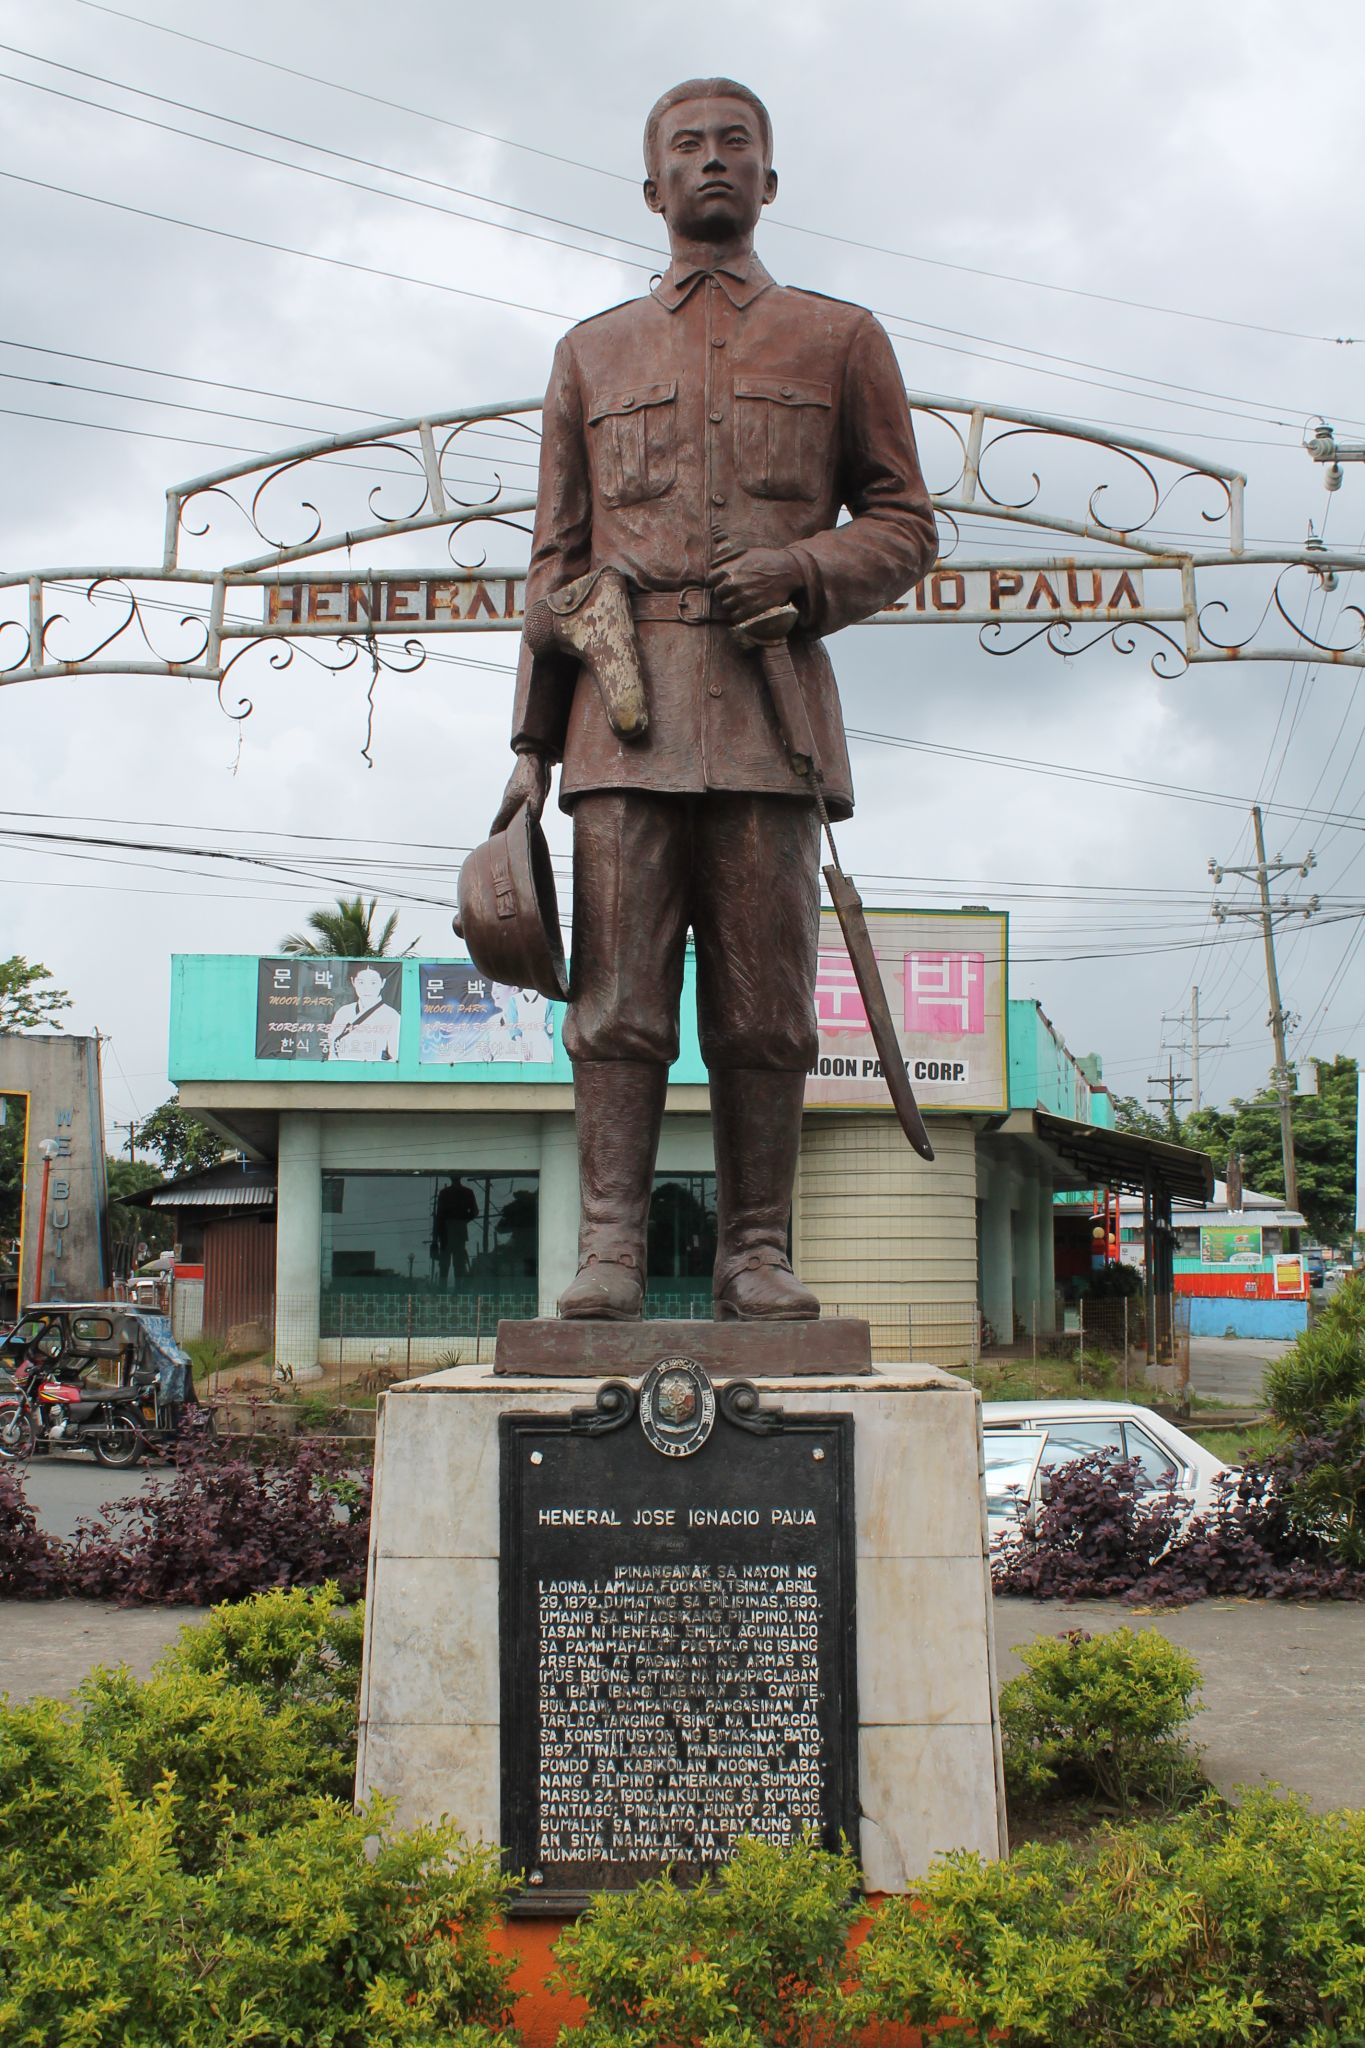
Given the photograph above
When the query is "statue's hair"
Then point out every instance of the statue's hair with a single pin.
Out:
(704, 89)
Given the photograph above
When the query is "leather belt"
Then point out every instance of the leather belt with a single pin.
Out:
(691, 606)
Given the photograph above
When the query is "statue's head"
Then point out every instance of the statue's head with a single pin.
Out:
(708, 159)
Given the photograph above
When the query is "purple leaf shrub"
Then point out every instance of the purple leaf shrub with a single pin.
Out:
(1096, 1537)
(223, 1528)
(32, 1563)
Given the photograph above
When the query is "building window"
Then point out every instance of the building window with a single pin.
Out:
(439, 1253)
(682, 1244)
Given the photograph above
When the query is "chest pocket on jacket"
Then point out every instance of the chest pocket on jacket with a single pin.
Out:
(634, 440)
(782, 429)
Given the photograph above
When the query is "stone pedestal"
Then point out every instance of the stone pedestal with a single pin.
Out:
(927, 1740)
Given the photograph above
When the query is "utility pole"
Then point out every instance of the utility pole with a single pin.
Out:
(1196, 1044)
(131, 1128)
(1169, 1083)
(1268, 912)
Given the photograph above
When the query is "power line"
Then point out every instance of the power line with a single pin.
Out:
(1069, 771)
(251, 419)
(184, 377)
(355, 92)
(329, 177)
(906, 320)
(374, 413)
(793, 227)
(283, 248)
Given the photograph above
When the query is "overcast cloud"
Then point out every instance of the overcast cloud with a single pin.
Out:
(1204, 157)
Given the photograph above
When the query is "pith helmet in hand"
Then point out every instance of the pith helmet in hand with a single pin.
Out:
(508, 915)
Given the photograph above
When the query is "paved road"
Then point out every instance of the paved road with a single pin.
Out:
(1232, 1369)
(1284, 1685)
(71, 1487)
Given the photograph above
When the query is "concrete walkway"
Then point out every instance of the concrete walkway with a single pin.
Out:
(47, 1646)
(1283, 1692)
(1232, 1369)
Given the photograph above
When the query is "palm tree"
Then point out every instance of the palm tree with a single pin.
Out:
(346, 933)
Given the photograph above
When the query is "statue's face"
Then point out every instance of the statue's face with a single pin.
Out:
(710, 181)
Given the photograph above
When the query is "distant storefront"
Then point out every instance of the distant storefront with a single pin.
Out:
(1237, 1266)
(418, 1120)
(224, 1250)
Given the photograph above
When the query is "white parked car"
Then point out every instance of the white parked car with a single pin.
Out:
(1027, 1440)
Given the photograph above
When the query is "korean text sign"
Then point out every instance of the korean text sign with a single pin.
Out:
(327, 1009)
(944, 974)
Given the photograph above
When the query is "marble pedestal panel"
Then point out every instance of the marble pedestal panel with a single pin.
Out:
(928, 1738)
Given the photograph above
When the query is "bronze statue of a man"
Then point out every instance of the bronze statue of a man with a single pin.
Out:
(702, 441)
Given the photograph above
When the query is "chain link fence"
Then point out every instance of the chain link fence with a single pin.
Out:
(348, 1346)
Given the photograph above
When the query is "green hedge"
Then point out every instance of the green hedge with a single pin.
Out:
(180, 1862)
(1221, 1926)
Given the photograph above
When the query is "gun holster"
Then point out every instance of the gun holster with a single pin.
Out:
(591, 620)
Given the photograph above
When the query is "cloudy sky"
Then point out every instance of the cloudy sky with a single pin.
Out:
(1050, 194)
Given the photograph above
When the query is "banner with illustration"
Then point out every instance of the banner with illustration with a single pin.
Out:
(467, 1019)
(1229, 1244)
(325, 1009)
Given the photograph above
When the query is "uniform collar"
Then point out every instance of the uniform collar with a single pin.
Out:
(739, 285)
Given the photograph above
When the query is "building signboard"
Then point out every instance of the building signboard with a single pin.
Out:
(55, 1111)
(467, 1019)
(1225, 1244)
(329, 1009)
(496, 601)
(1289, 1274)
(945, 974)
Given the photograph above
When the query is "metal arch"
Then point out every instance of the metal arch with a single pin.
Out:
(298, 511)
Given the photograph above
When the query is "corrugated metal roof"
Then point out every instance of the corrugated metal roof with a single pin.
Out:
(233, 1195)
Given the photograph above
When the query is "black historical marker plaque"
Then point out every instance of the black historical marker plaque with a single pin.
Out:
(678, 1634)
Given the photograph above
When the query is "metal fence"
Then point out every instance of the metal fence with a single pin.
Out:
(348, 1346)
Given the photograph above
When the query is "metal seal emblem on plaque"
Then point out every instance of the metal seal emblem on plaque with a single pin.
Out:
(677, 1407)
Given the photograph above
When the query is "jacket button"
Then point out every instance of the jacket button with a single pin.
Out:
(786, 392)
(716, 418)
(717, 497)
(717, 341)
(713, 689)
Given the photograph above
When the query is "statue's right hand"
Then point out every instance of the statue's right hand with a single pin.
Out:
(529, 784)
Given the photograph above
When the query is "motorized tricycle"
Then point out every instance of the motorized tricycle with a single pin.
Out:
(107, 1377)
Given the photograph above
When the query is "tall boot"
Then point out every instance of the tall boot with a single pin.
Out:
(756, 1120)
(619, 1107)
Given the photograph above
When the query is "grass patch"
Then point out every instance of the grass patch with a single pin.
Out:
(1249, 1446)
(1065, 1376)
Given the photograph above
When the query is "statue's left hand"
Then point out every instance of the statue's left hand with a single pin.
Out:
(754, 580)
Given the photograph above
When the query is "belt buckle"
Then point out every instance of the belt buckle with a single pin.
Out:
(693, 595)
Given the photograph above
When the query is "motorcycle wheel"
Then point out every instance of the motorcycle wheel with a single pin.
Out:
(17, 1433)
(120, 1447)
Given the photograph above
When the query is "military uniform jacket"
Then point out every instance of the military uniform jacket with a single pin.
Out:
(720, 405)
